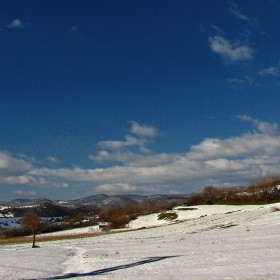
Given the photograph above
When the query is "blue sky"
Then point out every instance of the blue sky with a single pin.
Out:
(141, 97)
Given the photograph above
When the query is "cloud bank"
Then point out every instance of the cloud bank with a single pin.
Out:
(231, 161)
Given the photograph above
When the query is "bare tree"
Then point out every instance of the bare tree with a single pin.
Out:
(209, 193)
(31, 222)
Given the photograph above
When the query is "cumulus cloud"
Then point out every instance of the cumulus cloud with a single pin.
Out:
(230, 51)
(119, 151)
(10, 166)
(262, 143)
(249, 144)
(16, 171)
(143, 130)
(264, 127)
(29, 180)
(18, 180)
(43, 183)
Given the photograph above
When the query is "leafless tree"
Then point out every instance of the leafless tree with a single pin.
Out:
(31, 222)
(209, 193)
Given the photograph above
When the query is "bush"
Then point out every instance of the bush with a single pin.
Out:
(108, 213)
(196, 199)
(169, 216)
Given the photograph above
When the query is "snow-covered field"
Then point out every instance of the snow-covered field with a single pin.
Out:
(212, 242)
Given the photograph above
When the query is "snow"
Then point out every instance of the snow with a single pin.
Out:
(9, 222)
(212, 242)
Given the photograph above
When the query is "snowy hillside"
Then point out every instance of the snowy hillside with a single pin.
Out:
(210, 242)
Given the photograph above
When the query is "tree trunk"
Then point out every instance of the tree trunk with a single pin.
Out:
(33, 245)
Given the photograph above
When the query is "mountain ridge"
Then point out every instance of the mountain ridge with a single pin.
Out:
(98, 201)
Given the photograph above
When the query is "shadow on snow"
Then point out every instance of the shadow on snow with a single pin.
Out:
(110, 269)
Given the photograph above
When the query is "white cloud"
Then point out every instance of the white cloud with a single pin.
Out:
(143, 130)
(130, 141)
(247, 145)
(144, 150)
(264, 127)
(233, 9)
(258, 144)
(132, 159)
(10, 166)
(16, 171)
(119, 151)
(116, 188)
(217, 29)
(126, 188)
(52, 160)
(17, 23)
(140, 140)
(269, 71)
(238, 83)
(18, 180)
(231, 160)
(230, 52)
(42, 183)
(234, 160)
(29, 180)
(24, 193)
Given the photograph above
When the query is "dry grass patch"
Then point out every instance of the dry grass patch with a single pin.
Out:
(28, 239)
(187, 209)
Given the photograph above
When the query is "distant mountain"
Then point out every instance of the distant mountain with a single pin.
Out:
(97, 201)
(101, 201)
(19, 202)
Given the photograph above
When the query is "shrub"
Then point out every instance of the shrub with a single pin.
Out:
(196, 199)
(169, 216)
(119, 221)
(107, 214)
